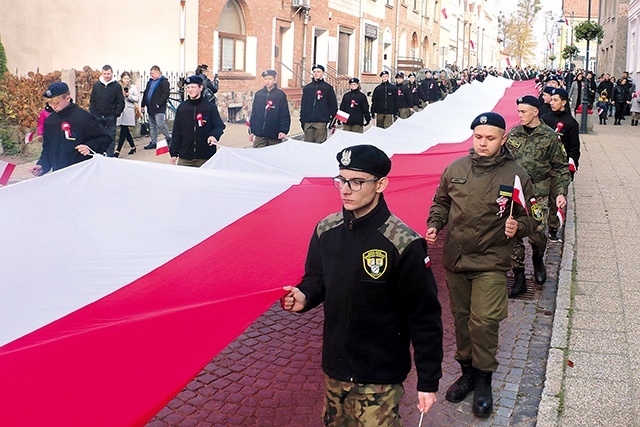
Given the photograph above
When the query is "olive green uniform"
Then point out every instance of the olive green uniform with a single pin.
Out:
(473, 200)
(545, 160)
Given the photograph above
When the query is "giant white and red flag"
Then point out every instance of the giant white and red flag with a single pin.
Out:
(113, 297)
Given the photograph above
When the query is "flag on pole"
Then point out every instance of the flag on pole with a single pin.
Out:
(473, 45)
(550, 46)
(342, 116)
(561, 216)
(162, 147)
(444, 13)
(566, 21)
(29, 137)
(508, 62)
(518, 194)
(6, 169)
(572, 165)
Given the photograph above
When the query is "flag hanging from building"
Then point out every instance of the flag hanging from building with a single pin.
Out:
(6, 169)
(444, 13)
(473, 45)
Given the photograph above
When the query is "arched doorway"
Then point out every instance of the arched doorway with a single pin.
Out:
(415, 49)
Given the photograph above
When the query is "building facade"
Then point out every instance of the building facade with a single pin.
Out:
(633, 40)
(573, 13)
(612, 54)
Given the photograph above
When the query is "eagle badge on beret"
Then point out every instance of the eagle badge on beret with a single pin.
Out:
(48, 93)
(483, 120)
(519, 100)
(346, 158)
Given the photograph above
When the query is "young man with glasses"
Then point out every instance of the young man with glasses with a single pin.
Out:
(373, 275)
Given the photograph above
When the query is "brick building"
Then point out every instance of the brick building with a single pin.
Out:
(612, 55)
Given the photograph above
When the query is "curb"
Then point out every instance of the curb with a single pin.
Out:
(549, 408)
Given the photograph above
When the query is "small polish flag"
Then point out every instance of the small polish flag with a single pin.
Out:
(29, 137)
(566, 21)
(508, 62)
(162, 147)
(550, 46)
(518, 195)
(561, 216)
(427, 261)
(473, 45)
(342, 116)
(572, 165)
(444, 13)
(6, 169)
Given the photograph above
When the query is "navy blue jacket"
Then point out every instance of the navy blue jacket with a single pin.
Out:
(270, 113)
(196, 120)
(319, 103)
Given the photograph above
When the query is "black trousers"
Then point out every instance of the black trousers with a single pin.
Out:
(125, 133)
(109, 124)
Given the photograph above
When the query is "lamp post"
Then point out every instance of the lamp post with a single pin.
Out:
(585, 89)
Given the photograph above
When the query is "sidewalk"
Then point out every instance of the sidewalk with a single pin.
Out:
(593, 372)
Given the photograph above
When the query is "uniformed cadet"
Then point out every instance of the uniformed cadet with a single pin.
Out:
(373, 274)
(318, 107)
(270, 118)
(356, 105)
(545, 101)
(405, 97)
(384, 102)
(567, 129)
(536, 148)
(475, 199)
(417, 95)
(430, 88)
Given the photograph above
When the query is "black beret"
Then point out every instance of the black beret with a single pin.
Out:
(400, 74)
(412, 74)
(563, 94)
(529, 100)
(365, 158)
(549, 89)
(318, 66)
(384, 73)
(354, 80)
(271, 73)
(56, 89)
(489, 119)
(194, 79)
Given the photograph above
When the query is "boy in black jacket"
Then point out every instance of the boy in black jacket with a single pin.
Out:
(318, 107)
(270, 118)
(384, 102)
(356, 105)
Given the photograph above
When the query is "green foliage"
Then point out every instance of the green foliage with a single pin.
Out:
(520, 40)
(552, 58)
(9, 146)
(588, 30)
(3, 60)
(569, 51)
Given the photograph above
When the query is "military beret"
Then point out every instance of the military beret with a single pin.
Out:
(56, 89)
(384, 73)
(529, 100)
(549, 89)
(318, 66)
(271, 73)
(412, 74)
(195, 79)
(563, 94)
(489, 119)
(400, 74)
(354, 80)
(365, 158)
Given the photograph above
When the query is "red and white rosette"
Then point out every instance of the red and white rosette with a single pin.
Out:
(199, 119)
(269, 105)
(319, 93)
(66, 127)
(353, 103)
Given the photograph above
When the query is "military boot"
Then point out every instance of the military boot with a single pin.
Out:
(519, 283)
(482, 397)
(539, 270)
(463, 385)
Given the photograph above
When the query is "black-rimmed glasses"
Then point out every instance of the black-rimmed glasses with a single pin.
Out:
(354, 184)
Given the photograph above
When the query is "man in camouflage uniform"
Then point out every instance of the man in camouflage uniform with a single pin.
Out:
(373, 275)
(536, 148)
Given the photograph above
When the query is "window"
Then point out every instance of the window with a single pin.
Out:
(368, 54)
(232, 37)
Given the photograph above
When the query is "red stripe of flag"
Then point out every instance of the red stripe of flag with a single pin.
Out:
(6, 169)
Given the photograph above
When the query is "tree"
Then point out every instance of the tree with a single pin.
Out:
(589, 30)
(520, 40)
(3, 60)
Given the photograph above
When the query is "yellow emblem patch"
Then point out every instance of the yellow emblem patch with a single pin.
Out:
(514, 143)
(375, 262)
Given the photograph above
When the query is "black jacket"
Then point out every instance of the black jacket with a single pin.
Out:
(417, 93)
(319, 103)
(270, 113)
(106, 100)
(384, 99)
(196, 120)
(568, 131)
(355, 103)
(158, 102)
(431, 89)
(620, 94)
(379, 296)
(59, 148)
(405, 97)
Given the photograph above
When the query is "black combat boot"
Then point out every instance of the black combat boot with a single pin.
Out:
(539, 270)
(482, 397)
(553, 235)
(519, 283)
(463, 385)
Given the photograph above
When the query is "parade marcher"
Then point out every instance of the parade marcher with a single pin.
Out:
(270, 119)
(405, 97)
(480, 189)
(417, 96)
(384, 102)
(107, 103)
(536, 148)
(318, 107)
(444, 84)
(356, 105)
(372, 274)
(197, 127)
(430, 88)
(545, 98)
(567, 129)
(128, 117)
(70, 135)
(154, 100)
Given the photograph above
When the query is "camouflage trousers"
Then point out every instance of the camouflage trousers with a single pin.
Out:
(537, 240)
(349, 404)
